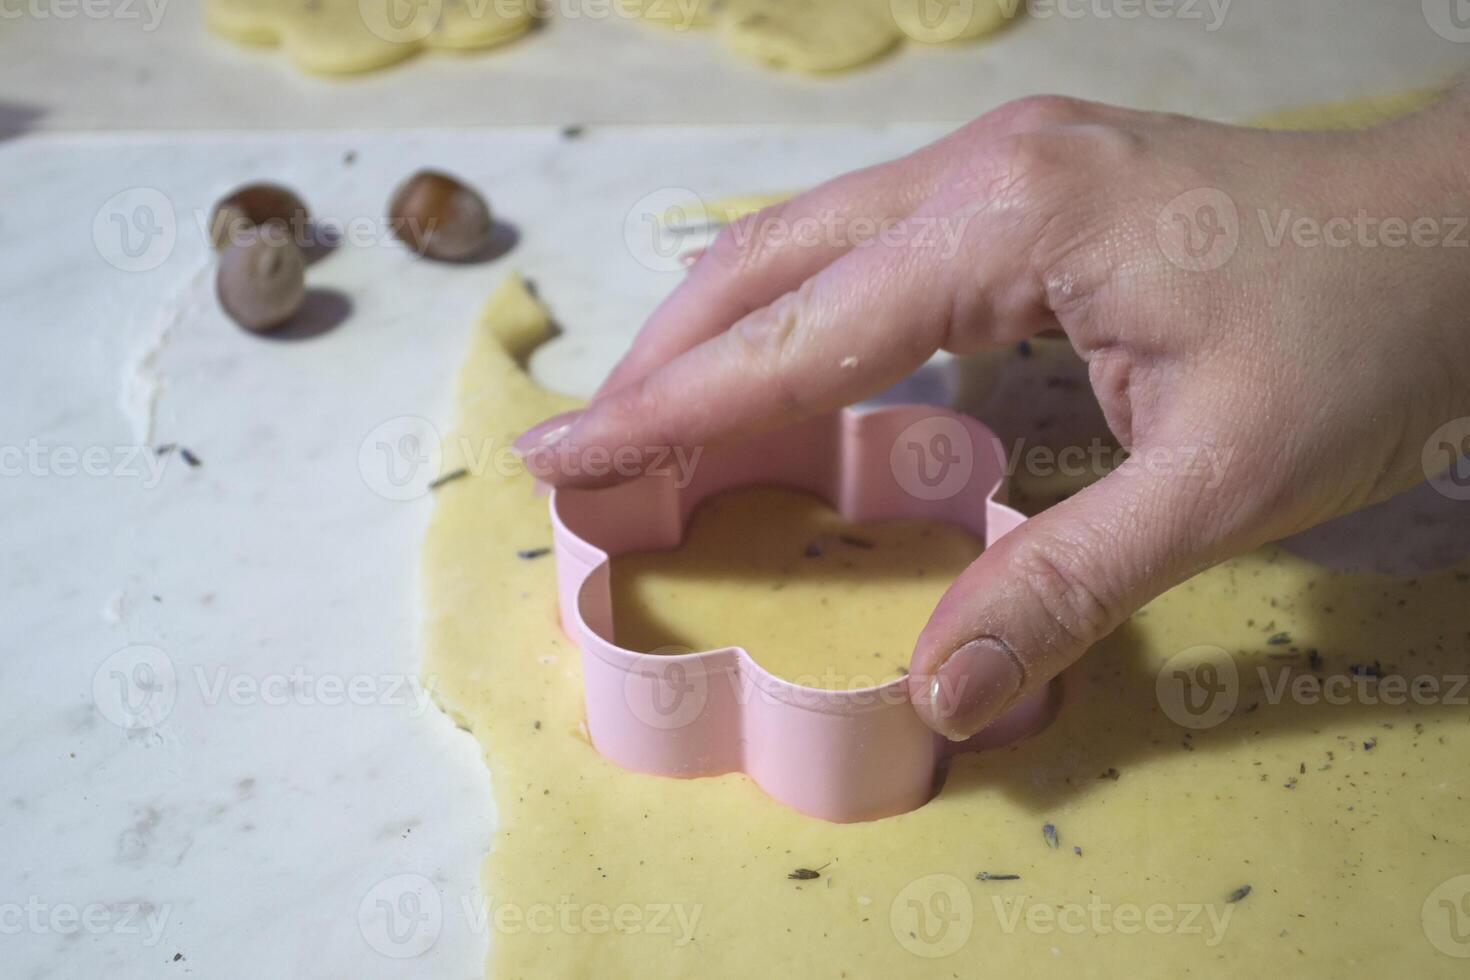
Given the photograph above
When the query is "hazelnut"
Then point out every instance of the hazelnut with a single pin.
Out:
(439, 217)
(261, 281)
(258, 205)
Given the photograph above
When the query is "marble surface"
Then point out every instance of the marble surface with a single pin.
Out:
(127, 68)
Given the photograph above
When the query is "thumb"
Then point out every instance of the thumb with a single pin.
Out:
(1033, 603)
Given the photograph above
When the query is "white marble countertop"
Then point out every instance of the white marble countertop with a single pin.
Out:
(127, 69)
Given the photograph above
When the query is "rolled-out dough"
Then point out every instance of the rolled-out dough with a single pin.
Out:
(1345, 819)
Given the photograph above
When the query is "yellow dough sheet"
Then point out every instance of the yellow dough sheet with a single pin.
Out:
(1346, 820)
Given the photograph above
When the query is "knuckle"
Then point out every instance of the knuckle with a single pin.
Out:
(1041, 111)
(769, 339)
(745, 244)
(1025, 158)
(1079, 150)
(1113, 372)
(1019, 172)
(1078, 613)
(1014, 182)
(634, 413)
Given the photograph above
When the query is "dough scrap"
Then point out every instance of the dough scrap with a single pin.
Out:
(348, 36)
(809, 35)
(1346, 820)
(1349, 113)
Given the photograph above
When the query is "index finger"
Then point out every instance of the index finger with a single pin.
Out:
(763, 255)
(861, 324)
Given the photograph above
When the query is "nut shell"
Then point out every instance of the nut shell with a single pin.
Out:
(439, 216)
(258, 205)
(261, 281)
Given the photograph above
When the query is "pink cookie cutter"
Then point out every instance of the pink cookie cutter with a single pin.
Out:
(841, 755)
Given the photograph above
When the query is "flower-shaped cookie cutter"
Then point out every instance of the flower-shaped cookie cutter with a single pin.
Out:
(841, 755)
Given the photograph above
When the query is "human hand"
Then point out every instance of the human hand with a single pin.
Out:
(1294, 303)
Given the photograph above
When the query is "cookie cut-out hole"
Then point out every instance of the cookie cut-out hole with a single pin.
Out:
(813, 597)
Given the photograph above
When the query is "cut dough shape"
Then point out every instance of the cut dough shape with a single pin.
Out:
(347, 36)
(766, 550)
(947, 21)
(813, 36)
(1346, 820)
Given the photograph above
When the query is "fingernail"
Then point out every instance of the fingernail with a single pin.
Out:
(544, 434)
(690, 257)
(972, 687)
